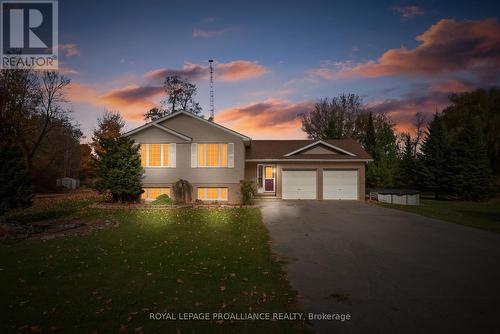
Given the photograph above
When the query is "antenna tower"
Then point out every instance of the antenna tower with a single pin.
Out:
(212, 112)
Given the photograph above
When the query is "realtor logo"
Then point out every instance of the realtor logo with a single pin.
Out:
(29, 34)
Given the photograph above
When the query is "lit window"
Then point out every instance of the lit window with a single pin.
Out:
(269, 172)
(150, 194)
(154, 155)
(158, 155)
(201, 154)
(212, 155)
(143, 155)
(212, 194)
(165, 155)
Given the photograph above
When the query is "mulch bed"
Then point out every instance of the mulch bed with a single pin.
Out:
(54, 229)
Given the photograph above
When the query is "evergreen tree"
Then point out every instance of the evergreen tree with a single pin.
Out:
(15, 181)
(435, 153)
(119, 169)
(407, 176)
(109, 126)
(369, 139)
(382, 172)
(469, 164)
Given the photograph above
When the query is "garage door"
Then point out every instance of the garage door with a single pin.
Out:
(340, 184)
(299, 184)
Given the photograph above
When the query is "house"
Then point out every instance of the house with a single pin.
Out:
(214, 159)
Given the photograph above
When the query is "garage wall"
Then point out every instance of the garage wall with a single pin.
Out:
(251, 174)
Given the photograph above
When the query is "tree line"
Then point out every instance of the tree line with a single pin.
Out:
(457, 155)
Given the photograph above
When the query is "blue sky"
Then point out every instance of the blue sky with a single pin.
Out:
(276, 58)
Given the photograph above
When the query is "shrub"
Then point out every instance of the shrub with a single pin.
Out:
(15, 181)
(247, 192)
(163, 199)
(182, 191)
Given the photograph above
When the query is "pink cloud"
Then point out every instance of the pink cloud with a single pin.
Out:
(232, 71)
(447, 47)
(271, 118)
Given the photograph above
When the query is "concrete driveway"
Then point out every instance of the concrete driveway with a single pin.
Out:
(391, 271)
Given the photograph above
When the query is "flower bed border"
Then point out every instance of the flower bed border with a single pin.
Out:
(140, 206)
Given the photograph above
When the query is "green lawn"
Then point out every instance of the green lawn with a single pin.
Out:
(183, 260)
(483, 215)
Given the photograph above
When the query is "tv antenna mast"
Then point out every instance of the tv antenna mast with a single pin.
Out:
(212, 112)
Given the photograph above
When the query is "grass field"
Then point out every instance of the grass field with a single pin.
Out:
(483, 215)
(178, 260)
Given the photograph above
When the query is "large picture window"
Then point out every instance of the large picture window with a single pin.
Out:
(212, 155)
(158, 155)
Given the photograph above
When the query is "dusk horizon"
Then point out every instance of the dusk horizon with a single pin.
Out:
(269, 68)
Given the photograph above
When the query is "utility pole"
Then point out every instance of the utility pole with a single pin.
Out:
(212, 112)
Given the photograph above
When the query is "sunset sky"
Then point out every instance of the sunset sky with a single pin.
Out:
(275, 59)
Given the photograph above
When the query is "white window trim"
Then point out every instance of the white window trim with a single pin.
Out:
(172, 164)
(219, 193)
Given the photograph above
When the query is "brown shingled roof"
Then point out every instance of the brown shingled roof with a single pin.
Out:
(277, 149)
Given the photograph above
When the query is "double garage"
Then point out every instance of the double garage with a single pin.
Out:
(334, 184)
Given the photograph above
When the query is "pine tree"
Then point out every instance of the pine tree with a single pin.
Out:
(435, 153)
(15, 181)
(369, 140)
(119, 169)
(469, 164)
(407, 165)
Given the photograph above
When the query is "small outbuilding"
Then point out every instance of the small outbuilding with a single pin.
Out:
(68, 182)
(395, 196)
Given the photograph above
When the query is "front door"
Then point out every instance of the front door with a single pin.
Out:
(266, 178)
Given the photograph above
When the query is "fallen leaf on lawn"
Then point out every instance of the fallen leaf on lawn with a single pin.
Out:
(180, 281)
(122, 328)
(222, 288)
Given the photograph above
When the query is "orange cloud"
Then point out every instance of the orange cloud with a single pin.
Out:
(131, 101)
(272, 118)
(402, 111)
(233, 71)
(453, 86)
(239, 70)
(449, 46)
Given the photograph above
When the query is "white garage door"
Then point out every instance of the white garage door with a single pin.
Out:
(299, 184)
(340, 184)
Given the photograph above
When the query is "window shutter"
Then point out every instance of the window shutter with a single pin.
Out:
(194, 155)
(230, 155)
(172, 154)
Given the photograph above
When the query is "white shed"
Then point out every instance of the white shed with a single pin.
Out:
(68, 182)
(395, 196)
